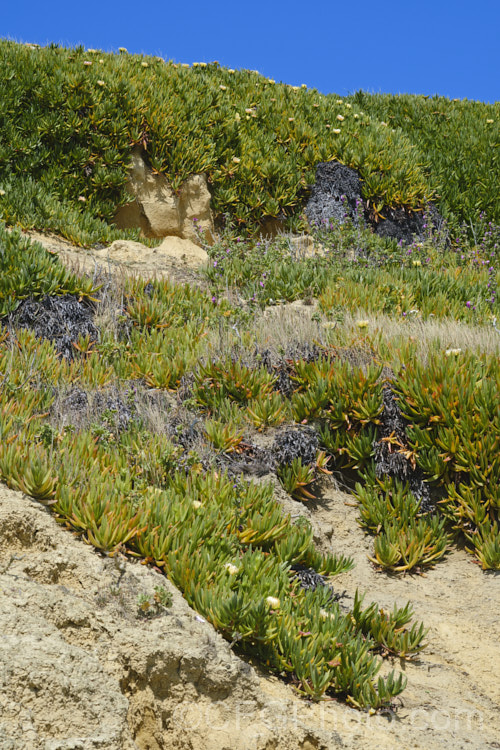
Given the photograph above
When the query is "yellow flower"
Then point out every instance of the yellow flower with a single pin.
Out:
(303, 85)
(340, 101)
(2, 192)
(454, 352)
(273, 602)
(362, 324)
(122, 49)
(271, 80)
(185, 65)
(101, 83)
(356, 116)
(489, 122)
(348, 105)
(231, 569)
(340, 118)
(417, 263)
(203, 65)
(145, 64)
(222, 88)
(237, 117)
(231, 70)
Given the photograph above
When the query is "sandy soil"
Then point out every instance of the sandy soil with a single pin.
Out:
(452, 698)
(453, 695)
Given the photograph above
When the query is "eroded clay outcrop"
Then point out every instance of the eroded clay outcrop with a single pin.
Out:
(158, 210)
(80, 667)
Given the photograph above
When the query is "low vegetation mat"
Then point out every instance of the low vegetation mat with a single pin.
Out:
(144, 439)
(70, 117)
(174, 424)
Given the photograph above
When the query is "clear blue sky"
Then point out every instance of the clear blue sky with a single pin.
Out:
(445, 47)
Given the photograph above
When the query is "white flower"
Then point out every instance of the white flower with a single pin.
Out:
(291, 119)
(489, 122)
(271, 80)
(231, 70)
(315, 105)
(356, 116)
(348, 105)
(273, 602)
(327, 126)
(101, 60)
(82, 198)
(2, 192)
(231, 569)
(237, 117)
(196, 504)
(340, 101)
(454, 352)
(384, 124)
(145, 64)
(222, 88)
(87, 62)
(335, 130)
(101, 83)
(92, 51)
(340, 118)
(185, 65)
(362, 324)
(236, 159)
(325, 615)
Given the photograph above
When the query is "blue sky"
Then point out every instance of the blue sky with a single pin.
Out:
(450, 48)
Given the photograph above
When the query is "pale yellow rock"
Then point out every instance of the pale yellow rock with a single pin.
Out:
(182, 252)
(160, 212)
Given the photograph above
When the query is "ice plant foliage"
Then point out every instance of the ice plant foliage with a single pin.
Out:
(165, 472)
